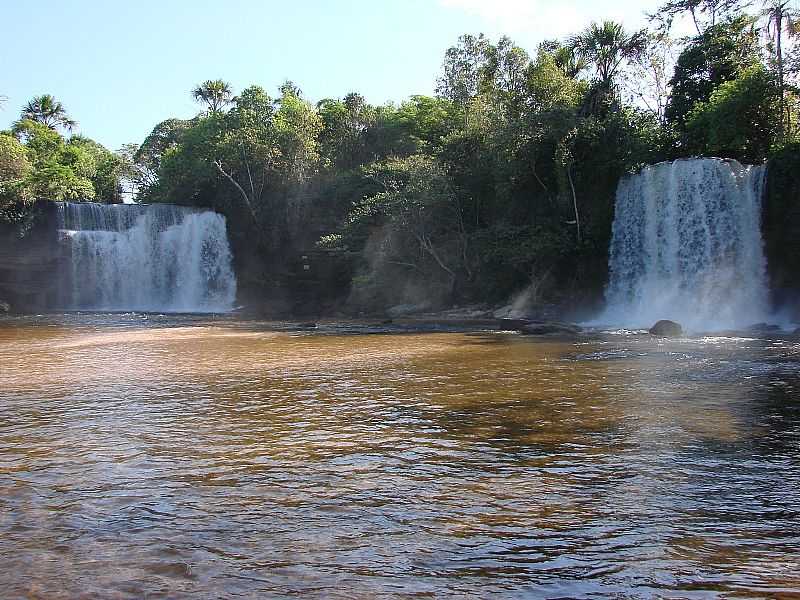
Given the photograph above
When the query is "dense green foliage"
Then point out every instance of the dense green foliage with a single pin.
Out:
(38, 162)
(741, 118)
(719, 54)
(504, 179)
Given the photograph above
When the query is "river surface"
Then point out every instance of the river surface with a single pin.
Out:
(178, 457)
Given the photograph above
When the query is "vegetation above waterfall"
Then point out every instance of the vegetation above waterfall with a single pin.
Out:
(38, 160)
(503, 180)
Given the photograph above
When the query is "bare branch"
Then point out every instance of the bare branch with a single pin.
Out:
(230, 178)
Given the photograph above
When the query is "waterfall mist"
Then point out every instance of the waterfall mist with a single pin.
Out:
(157, 257)
(687, 246)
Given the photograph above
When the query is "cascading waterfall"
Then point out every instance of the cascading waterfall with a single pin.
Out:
(157, 257)
(687, 246)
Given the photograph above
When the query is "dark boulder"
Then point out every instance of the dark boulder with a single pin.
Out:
(666, 328)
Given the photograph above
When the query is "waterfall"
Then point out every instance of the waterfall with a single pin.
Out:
(157, 257)
(687, 246)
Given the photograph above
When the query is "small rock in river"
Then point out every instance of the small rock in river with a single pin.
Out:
(666, 328)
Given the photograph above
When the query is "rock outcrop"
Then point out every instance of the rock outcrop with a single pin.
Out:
(666, 328)
(31, 264)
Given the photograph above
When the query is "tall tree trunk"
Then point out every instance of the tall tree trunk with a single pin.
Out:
(785, 124)
(694, 19)
(235, 183)
(574, 203)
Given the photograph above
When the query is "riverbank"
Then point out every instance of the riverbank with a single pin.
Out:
(465, 321)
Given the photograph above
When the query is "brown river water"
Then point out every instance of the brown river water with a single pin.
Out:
(178, 457)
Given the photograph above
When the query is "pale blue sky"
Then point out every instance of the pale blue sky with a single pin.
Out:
(121, 67)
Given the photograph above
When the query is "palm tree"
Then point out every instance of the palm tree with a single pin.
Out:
(781, 17)
(48, 111)
(216, 94)
(568, 60)
(606, 46)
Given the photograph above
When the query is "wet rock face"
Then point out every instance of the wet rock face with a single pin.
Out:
(30, 262)
(666, 328)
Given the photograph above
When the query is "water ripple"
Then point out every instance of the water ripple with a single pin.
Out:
(186, 458)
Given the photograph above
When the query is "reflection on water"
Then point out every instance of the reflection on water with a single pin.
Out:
(175, 457)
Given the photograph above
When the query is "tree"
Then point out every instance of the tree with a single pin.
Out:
(14, 163)
(41, 143)
(144, 163)
(59, 182)
(15, 195)
(740, 120)
(721, 53)
(289, 87)
(14, 170)
(244, 159)
(552, 82)
(106, 168)
(462, 71)
(48, 111)
(606, 47)
(780, 18)
(343, 140)
(704, 13)
(421, 124)
(505, 75)
(216, 94)
(75, 169)
(565, 57)
(245, 152)
(420, 218)
(297, 129)
(59, 171)
(647, 79)
(566, 159)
